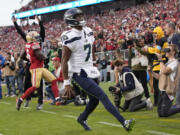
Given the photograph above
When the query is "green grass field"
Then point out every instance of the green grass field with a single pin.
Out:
(61, 120)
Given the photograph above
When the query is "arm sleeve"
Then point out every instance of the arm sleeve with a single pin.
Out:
(42, 31)
(142, 52)
(19, 30)
(153, 50)
(2, 60)
(130, 83)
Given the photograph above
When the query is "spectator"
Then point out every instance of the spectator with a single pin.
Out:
(9, 75)
(58, 74)
(161, 42)
(131, 89)
(103, 69)
(174, 38)
(19, 73)
(168, 82)
(1, 65)
(139, 64)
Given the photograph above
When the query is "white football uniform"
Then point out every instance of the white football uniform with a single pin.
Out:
(80, 43)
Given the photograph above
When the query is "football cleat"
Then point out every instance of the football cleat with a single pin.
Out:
(39, 107)
(129, 124)
(58, 101)
(83, 124)
(18, 104)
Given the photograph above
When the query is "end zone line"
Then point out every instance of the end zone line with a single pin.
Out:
(157, 132)
(48, 112)
(6, 104)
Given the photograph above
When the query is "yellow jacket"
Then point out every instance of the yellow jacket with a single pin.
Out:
(161, 42)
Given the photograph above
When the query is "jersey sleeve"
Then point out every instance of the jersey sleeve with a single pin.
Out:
(91, 34)
(67, 41)
(153, 50)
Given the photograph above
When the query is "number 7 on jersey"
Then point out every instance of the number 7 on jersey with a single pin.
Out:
(88, 46)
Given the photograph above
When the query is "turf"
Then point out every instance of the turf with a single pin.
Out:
(61, 120)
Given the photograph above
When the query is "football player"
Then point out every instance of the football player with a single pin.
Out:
(36, 57)
(27, 81)
(77, 63)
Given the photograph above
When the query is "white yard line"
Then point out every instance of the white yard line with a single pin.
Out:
(48, 112)
(157, 132)
(5, 103)
(148, 131)
(26, 107)
(70, 116)
(109, 124)
(1, 134)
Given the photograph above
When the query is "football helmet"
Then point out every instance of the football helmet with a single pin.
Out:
(70, 17)
(33, 36)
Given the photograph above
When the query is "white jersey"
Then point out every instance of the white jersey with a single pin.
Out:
(80, 43)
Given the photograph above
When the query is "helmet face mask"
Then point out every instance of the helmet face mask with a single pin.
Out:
(33, 36)
(74, 17)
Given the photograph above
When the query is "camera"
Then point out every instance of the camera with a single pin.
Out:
(113, 89)
(117, 96)
(166, 50)
(7, 63)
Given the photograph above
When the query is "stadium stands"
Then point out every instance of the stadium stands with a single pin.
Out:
(111, 28)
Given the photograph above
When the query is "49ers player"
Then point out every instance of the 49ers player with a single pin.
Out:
(36, 57)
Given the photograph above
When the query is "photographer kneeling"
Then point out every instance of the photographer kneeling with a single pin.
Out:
(168, 82)
(130, 88)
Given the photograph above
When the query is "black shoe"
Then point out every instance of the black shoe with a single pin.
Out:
(129, 124)
(83, 124)
(39, 107)
(18, 104)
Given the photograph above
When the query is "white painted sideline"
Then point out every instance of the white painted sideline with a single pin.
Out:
(109, 124)
(1, 134)
(157, 132)
(70, 116)
(6, 104)
(47, 111)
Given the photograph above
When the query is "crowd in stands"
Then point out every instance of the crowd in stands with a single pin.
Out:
(112, 29)
(34, 4)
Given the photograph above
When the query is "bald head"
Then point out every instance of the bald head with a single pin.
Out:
(170, 28)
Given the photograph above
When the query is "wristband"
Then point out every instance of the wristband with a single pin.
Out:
(67, 82)
(94, 62)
